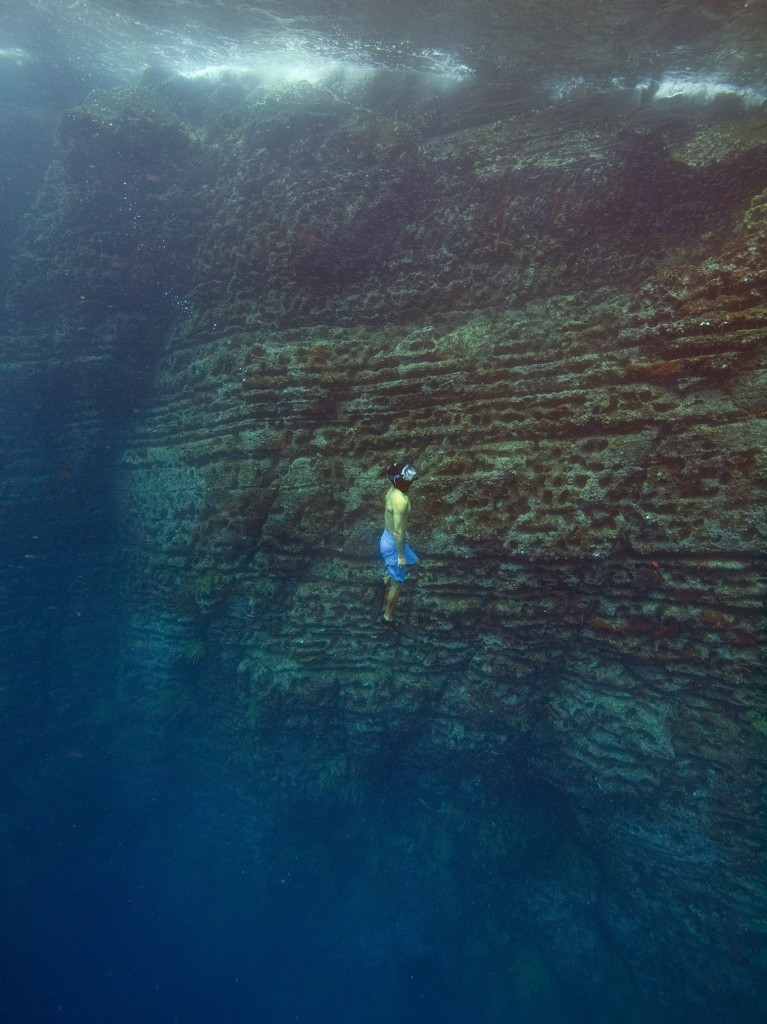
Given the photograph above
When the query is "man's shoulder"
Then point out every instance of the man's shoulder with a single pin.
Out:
(397, 499)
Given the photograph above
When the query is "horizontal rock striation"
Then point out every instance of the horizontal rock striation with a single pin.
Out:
(561, 320)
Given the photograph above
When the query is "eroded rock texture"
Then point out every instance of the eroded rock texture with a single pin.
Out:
(560, 318)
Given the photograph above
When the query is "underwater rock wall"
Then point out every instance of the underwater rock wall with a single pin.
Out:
(561, 320)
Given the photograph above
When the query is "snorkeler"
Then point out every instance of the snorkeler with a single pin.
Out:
(396, 554)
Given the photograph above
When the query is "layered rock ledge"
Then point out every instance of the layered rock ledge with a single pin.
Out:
(561, 320)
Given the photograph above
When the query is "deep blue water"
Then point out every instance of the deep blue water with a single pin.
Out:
(142, 878)
(145, 877)
(177, 897)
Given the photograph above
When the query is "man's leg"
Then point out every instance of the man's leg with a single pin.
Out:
(392, 596)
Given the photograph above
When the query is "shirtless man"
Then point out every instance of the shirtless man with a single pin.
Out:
(396, 554)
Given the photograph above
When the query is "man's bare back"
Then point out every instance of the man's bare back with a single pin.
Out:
(396, 514)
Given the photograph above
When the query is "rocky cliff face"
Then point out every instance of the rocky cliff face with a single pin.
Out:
(560, 317)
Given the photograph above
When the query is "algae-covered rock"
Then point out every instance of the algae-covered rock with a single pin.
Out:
(559, 318)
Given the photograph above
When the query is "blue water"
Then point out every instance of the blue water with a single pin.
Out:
(178, 897)
(148, 877)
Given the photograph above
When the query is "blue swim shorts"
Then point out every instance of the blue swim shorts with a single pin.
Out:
(388, 549)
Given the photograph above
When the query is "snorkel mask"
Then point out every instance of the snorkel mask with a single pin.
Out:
(401, 476)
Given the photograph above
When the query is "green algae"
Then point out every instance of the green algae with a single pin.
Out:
(755, 217)
(336, 778)
(207, 586)
(759, 721)
(194, 653)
